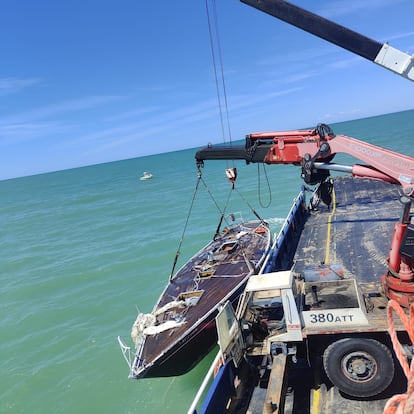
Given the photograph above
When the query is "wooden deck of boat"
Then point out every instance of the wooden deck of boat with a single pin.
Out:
(230, 275)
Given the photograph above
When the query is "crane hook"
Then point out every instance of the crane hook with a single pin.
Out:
(231, 174)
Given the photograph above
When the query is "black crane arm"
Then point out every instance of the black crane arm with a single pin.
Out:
(380, 53)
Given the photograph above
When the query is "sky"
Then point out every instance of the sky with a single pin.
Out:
(84, 82)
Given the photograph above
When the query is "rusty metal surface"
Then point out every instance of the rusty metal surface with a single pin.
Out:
(310, 392)
(277, 386)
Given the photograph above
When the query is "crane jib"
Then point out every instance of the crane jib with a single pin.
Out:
(319, 26)
(239, 152)
(382, 54)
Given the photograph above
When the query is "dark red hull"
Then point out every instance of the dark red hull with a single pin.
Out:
(180, 335)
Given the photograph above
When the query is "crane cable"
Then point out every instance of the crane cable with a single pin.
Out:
(222, 212)
(177, 254)
(215, 40)
(230, 172)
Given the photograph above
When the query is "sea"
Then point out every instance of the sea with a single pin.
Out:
(83, 250)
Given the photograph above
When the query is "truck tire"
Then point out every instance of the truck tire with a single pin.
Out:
(359, 367)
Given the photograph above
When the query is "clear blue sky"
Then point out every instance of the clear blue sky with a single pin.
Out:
(86, 81)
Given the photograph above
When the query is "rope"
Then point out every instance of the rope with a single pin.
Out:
(250, 206)
(211, 196)
(259, 190)
(186, 224)
(401, 403)
(222, 212)
(222, 215)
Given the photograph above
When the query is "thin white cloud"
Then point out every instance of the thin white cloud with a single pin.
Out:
(401, 35)
(15, 85)
(133, 113)
(345, 63)
(349, 7)
(289, 57)
(161, 118)
(59, 108)
(23, 132)
(125, 139)
(46, 121)
(181, 118)
(341, 114)
(301, 76)
(246, 101)
(163, 121)
(293, 67)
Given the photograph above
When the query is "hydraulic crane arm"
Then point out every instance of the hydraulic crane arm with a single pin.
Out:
(382, 54)
(313, 149)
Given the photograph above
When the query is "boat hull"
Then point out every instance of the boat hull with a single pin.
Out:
(187, 353)
(181, 333)
(178, 360)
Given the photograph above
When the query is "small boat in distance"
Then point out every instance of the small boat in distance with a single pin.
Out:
(146, 176)
(181, 330)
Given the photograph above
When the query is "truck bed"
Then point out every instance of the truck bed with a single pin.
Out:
(355, 233)
(351, 237)
(354, 236)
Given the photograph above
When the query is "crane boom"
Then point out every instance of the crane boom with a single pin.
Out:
(382, 54)
(311, 148)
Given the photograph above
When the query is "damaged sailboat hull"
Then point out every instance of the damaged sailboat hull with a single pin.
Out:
(180, 330)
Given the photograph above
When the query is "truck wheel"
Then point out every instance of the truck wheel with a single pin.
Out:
(359, 367)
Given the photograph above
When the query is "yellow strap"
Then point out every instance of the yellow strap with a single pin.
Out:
(328, 232)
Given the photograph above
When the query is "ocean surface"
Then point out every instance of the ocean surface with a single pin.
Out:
(83, 249)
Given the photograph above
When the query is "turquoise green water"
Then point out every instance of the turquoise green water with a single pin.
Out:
(83, 249)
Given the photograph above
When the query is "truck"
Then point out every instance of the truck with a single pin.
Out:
(313, 330)
(318, 309)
